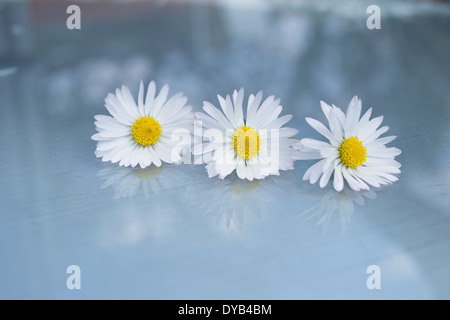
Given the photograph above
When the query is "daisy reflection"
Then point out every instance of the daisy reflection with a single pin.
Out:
(143, 211)
(342, 202)
(128, 182)
(234, 202)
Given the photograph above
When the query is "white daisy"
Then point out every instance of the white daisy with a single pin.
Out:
(354, 151)
(143, 133)
(255, 145)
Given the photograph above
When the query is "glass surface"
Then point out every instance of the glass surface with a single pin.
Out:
(173, 233)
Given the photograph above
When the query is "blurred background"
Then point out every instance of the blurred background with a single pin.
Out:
(172, 233)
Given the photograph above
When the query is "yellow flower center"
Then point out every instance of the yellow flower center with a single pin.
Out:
(352, 152)
(246, 142)
(146, 131)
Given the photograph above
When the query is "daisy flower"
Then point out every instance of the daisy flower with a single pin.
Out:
(255, 145)
(143, 133)
(355, 152)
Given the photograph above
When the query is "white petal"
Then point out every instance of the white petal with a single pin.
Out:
(228, 110)
(375, 134)
(287, 132)
(211, 169)
(119, 154)
(170, 111)
(109, 134)
(387, 176)
(327, 171)
(335, 124)
(352, 182)
(384, 140)
(375, 176)
(371, 161)
(319, 127)
(128, 101)
(364, 120)
(116, 109)
(147, 159)
(314, 144)
(141, 154)
(141, 105)
(267, 114)
(252, 108)
(369, 178)
(314, 170)
(164, 153)
(354, 174)
(159, 101)
(384, 168)
(302, 155)
(134, 158)
(150, 97)
(239, 114)
(382, 152)
(329, 152)
(317, 171)
(127, 154)
(119, 142)
(340, 115)
(338, 182)
(226, 169)
(256, 171)
(109, 123)
(279, 122)
(269, 104)
(352, 116)
(155, 158)
(369, 129)
(207, 121)
(241, 170)
(217, 115)
(183, 119)
(326, 109)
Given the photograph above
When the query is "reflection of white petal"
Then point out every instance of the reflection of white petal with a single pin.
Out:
(129, 224)
(236, 202)
(128, 182)
(332, 201)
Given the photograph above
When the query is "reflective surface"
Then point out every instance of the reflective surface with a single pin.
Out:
(172, 233)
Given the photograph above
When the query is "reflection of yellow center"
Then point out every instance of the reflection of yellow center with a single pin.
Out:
(146, 131)
(343, 196)
(245, 187)
(246, 142)
(352, 152)
(149, 173)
